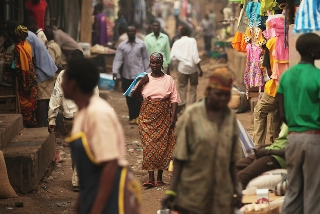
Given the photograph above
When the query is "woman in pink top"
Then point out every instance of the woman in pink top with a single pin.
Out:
(157, 119)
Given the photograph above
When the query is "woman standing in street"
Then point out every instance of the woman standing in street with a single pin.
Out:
(157, 119)
(25, 75)
(204, 177)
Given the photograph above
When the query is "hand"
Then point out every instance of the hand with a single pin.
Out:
(114, 77)
(173, 122)
(144, 80)
(272, 139)
(167, 202)
(51, 128)
(261, 152)
(237, 201)
(200, 73)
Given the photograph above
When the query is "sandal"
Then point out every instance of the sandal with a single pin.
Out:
(160, 183)
(149, 184)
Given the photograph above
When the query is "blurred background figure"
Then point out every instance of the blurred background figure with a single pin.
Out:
(99, 28)
(37, 9)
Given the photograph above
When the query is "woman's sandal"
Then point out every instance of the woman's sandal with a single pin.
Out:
(160, 183)
(149, 184)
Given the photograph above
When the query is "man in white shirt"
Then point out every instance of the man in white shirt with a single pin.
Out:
(69, 110)
(185, 51)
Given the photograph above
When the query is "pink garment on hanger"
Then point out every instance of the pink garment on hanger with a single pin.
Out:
(253, 76)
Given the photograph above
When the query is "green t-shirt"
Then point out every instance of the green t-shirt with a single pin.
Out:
(279, 144)
(300, 86)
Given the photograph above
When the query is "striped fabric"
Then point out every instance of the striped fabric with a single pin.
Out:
(308, 17)
(246, 142)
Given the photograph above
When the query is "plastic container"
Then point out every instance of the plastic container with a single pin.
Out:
(106, 82)
(86, 48)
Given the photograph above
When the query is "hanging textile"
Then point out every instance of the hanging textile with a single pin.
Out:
(253, 12)
(140, 12)
(253, 76)
(308, 17)
(267, 5)
(238, 43)
(243, 22)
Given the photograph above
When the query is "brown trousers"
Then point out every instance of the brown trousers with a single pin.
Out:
(250, 167)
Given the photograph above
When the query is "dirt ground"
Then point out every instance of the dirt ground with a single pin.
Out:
(55, 193)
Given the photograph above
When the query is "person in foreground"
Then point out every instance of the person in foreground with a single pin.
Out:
(204, 177)
(264, 159)
(298, 96)
(98, 146)
(157, 119)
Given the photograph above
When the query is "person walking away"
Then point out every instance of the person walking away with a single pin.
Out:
(159, 42)
(157, 119)
(298, 97)
(54, 49)
(98, 146)
(69, 108)
(99, 33)
(32, 25)
(45, 70)
(176, 12)
(204, 177)
(185, 51)
(213, 19)
(37, 9)
(264, 159)
(25, 76)
(132, 56)
(207, 28)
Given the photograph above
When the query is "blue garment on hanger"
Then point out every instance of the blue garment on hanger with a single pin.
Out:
(308, 17)
(133, 84)
(253, 13)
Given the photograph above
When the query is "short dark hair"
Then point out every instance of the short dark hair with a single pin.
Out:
(84, 72)
(49, 33)
(155, 21)
(307, 41)
(185, 31)
(35, 1)
(30, 21)
(77, 54)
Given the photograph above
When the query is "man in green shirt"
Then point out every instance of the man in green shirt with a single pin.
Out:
(264, 159)
(299, 102)
(159, 42)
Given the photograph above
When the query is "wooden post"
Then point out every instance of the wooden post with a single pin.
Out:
(290, 11)
(86, 21)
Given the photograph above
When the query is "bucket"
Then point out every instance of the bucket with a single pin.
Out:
(85, 48)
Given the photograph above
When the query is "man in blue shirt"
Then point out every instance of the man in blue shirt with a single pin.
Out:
(132, 59)
(45, 71)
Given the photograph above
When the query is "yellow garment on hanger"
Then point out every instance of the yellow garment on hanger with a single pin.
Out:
(267, 5)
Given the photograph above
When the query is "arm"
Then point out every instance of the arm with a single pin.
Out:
(174, 115)
(266, 152)
(168, 55)
(107, 179)
(196, 58)
(117, 62)
(145, 58)
(167, 202)
(280, 100)
(55, 103)
(136, 93)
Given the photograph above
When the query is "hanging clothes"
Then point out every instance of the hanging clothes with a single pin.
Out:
(140, 12)
(253, 76)
(243, 22)
(267, 5)
(238, 42)
(308, 17)
(253, 12)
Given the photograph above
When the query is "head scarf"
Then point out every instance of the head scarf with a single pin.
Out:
(21, 31)
(220, 79)
(157, 56)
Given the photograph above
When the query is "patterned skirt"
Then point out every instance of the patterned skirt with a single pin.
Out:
(158, 140)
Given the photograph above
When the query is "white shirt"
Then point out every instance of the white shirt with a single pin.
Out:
(57, 99)
(185, 50)
(42, 37)
(176, 5)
